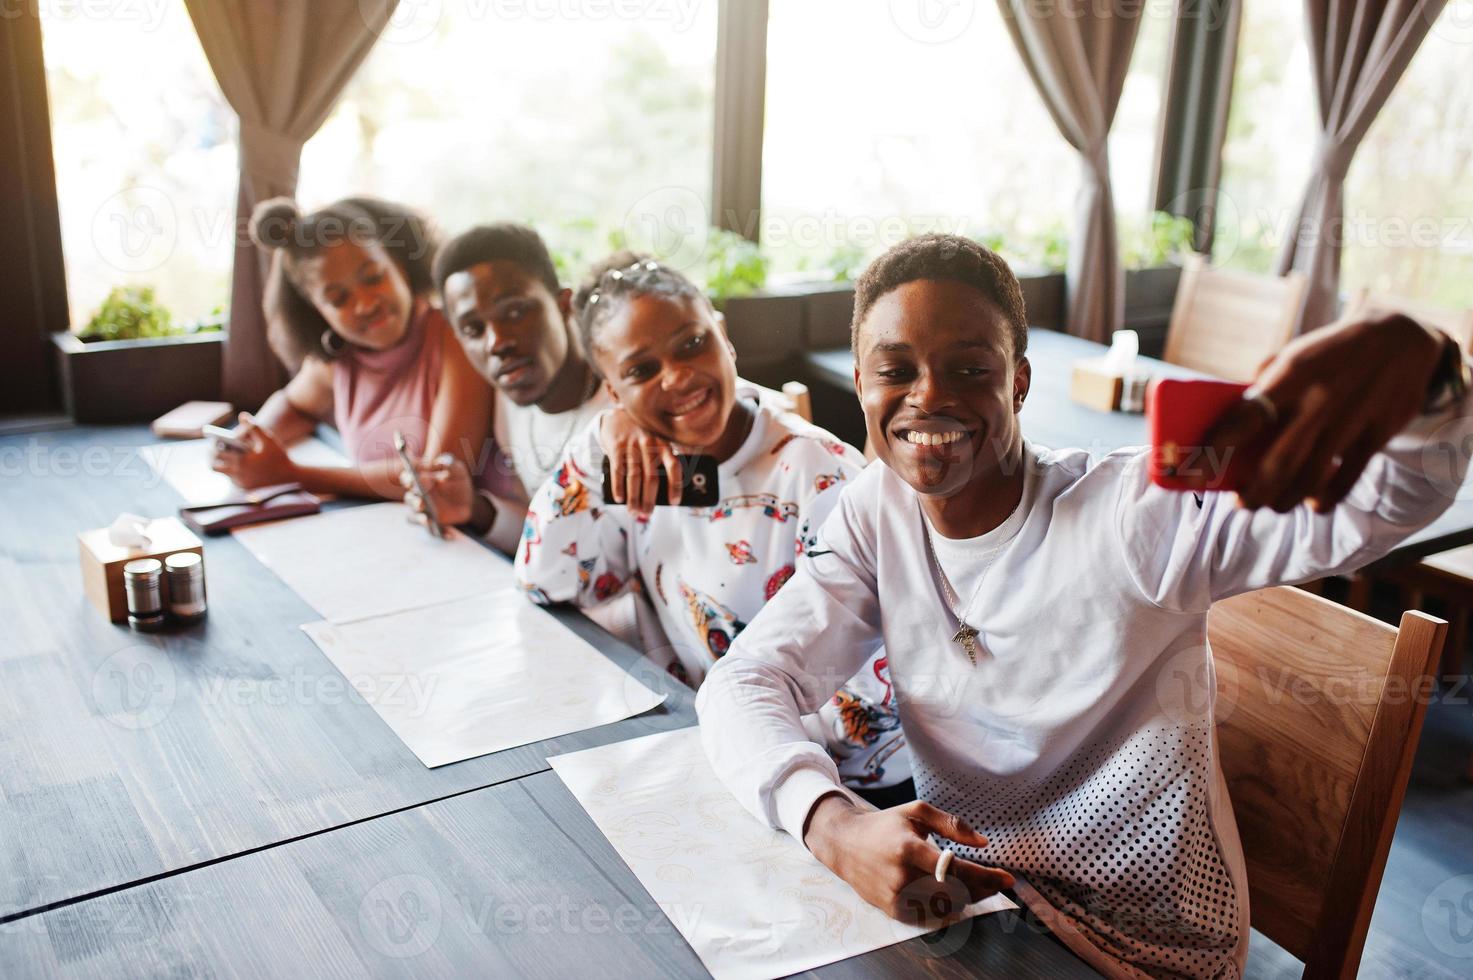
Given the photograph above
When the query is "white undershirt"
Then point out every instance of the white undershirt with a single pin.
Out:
(535, 440)
(966, 561)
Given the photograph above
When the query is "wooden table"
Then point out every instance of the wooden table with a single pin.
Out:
(212, 800)
(1050, 418)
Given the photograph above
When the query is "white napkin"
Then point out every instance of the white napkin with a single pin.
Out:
(1125, 345)
(129, 531)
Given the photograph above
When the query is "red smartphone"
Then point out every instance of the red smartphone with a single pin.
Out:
(1179, 413)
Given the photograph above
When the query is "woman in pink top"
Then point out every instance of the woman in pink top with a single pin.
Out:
(348, 303)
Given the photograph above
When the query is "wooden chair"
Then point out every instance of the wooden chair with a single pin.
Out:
(1320, 709)
(794, 396)
(1228, 323)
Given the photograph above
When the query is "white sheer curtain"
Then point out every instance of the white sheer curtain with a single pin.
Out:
(1359, 50)
(281, 65)
(1078, 53)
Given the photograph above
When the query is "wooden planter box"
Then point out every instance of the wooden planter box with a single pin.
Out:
(136, 380)
(1149, 295)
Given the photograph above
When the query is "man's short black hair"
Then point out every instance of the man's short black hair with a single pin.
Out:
(947, 257)
(504, 241)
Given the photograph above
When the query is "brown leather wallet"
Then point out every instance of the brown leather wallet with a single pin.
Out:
(251, 507)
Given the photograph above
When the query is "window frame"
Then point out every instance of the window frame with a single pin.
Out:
(36, 292)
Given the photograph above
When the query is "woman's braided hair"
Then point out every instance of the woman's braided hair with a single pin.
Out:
(612, 283)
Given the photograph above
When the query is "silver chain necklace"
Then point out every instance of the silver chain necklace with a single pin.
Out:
(588, 391)
(966, 634)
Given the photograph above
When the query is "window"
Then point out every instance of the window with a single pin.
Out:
(146, 161)
(879, 127)
(1409, 193)
(883, 122)
(574, 118)
(1136, 135)
(1271, 137)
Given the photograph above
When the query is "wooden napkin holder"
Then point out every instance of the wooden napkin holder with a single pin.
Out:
(103, 561)
(1092, 386)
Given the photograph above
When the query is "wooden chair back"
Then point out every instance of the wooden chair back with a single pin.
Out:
(1227, 323)
(1319, 712)
(1456, 323)
(794, 396)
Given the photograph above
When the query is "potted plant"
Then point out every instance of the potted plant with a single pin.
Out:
(132, 362)
(1151, 254)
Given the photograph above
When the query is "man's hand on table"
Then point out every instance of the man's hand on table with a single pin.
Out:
(887, 857)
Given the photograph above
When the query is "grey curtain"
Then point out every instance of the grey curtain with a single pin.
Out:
(1194, 116)
(282, 65)
(1359, 50)
(1078, 52)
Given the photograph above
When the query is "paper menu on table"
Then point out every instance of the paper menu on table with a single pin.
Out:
(751, 901)
(479, 675)
(185, 466)
(372, 560)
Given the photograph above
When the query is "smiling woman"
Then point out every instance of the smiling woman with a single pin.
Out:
(664, 354)
(348, 303)
(705, 568)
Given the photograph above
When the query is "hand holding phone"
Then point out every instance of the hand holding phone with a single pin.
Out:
(1180, 415)
(699, 483)
(225, 438)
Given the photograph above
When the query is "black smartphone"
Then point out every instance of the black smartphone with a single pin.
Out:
(698, 489)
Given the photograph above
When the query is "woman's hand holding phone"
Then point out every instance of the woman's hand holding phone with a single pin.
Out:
(635, 460)
(251, 456)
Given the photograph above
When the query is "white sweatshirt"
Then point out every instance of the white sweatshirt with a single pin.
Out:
(528, 445)
(707, 571)
(1082, 743)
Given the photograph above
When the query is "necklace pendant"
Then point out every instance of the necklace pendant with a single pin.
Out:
(966, 638)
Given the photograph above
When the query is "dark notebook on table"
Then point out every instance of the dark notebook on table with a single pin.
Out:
(251, 507)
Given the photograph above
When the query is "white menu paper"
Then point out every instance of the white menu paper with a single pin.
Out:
(368, 561)
(185, 466)
(478, 675)
(751, 901)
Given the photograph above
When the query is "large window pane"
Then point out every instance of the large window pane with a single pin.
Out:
(880, 126)
(574, 117)
(887, 119)
(1271, 137)
(146, 163)
(1135, 136)
(1409, 194)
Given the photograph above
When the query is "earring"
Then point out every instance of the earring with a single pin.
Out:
(332, 343)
